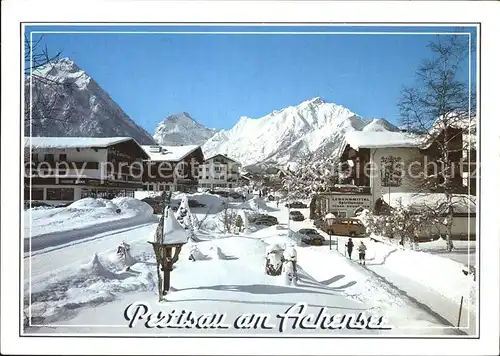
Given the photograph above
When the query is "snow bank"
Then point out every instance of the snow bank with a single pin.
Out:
(217, 254)
(63, 295)
(278, 235)
(96, 269)
(256, 204)
(133, 206)
(211, 201)
(89, 213)
(442, 275)
(141, 194)
(197, 254)
(87, 203)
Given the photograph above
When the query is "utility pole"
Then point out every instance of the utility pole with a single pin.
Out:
(288, 199)
(289, 234)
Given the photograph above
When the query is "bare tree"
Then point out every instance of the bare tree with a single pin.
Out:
(439, 106)
(44, 96)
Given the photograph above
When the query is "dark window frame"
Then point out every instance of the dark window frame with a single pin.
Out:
(61, 194)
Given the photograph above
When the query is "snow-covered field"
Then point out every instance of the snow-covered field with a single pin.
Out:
(81, 286)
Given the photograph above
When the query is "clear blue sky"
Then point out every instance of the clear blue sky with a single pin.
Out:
(217, 78)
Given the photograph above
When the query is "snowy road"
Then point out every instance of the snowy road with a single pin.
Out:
(80, 251)
(229, 280)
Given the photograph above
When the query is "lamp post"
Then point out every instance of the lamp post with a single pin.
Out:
(330, 218)
(170, 236)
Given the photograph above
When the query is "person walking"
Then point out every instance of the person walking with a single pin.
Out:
(350, 246)
(362, 253)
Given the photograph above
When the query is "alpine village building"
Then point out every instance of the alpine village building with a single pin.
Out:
(219, 171)
(60, 170)
(370, 178)
(172, 168)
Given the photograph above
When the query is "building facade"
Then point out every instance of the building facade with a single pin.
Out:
(378, 164)
(219, 171)
(172, 168)
(60, 170)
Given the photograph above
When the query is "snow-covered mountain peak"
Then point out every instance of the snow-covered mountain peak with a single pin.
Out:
(314, 101)
(179, 120)
(377, 125)
(64, 70)
(282, 136)
(67, 102)
(181, 129)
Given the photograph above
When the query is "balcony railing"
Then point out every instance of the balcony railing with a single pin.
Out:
(63, 164)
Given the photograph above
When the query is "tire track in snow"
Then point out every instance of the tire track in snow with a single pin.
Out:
(58, 238)
(86, 240)
(75, 254)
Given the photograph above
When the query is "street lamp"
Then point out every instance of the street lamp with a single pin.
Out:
(169, 238)
(330, 219)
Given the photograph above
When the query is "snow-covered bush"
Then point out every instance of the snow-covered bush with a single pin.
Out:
(308, 176)
(227, 218)
(402, 222)
(125, 255)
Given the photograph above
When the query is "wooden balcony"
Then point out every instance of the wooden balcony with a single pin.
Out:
(63, 164)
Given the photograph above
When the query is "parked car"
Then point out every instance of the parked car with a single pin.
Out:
(222, 193)
(236, 195)
(296, 216)
(155, 204)
(192, 204)
(195, 204)
(346, 226)
(319, 223)
(311, 237)
(296, 205)
(263, 219)
(35, 204)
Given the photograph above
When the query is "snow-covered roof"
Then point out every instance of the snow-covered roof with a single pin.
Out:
(462, 203)
(168, 153)
(466, 122)
(361, 139)
(173, 231)
(222, 155)
(73, 142)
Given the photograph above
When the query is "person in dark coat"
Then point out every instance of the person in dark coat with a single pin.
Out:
(362, 252)
(350, 246)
